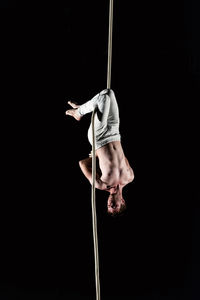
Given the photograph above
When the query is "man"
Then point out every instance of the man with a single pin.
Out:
(113, 169)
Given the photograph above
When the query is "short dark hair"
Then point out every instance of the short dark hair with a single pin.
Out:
(119, 213)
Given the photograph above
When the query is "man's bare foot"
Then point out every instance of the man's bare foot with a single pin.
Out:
(73, 112)
(72, 104)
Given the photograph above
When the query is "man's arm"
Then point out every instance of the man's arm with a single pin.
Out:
(86, 168)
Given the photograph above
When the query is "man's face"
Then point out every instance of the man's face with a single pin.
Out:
(114, 204)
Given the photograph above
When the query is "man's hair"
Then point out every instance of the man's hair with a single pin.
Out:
(120, 212)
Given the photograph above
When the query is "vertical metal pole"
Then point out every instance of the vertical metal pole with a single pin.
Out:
(110, 33)
(94, 215)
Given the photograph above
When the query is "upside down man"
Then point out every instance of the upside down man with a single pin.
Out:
(113, 169)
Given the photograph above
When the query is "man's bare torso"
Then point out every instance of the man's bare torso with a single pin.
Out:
(113, 165)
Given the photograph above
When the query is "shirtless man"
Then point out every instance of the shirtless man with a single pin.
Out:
(113, 169)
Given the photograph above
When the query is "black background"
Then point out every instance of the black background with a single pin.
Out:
(53, 53)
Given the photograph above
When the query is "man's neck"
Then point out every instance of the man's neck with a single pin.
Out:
(114, 189)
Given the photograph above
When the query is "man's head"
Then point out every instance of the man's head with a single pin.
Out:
(116, 204)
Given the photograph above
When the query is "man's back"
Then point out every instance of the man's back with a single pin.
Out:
(113, 164)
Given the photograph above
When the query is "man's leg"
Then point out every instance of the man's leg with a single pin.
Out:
(113, 117)
(107, 125)
(107, 115)
(102, 102)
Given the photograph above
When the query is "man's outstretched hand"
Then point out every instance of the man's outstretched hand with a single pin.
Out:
(73, 112)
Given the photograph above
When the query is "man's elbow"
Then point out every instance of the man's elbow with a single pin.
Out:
(81, 163)
(132, 177)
